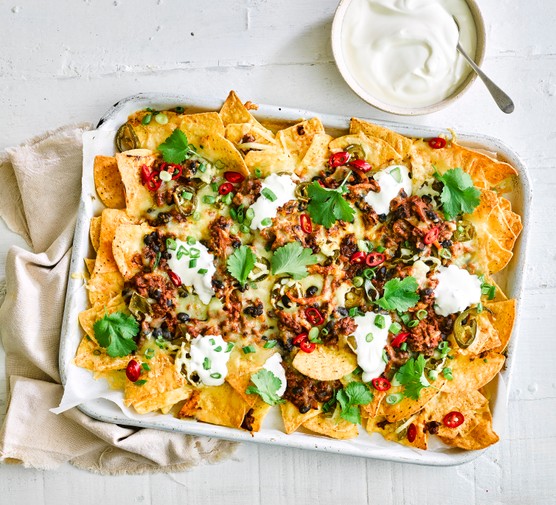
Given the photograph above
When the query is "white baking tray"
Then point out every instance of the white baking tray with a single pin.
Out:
(272, 431)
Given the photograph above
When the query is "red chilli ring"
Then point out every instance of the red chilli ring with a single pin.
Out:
(437, 143)
(381, 384)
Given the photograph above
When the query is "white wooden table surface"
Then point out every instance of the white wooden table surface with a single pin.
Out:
(69, 60)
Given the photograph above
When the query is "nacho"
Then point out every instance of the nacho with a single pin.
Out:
(243, 267)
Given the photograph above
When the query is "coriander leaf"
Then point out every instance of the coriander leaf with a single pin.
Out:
(115, 332)
(458, 195)
(399, 294)
(175, 148)
(292, 259)
(354, 394)
(266, 386)
(411, 376)
(328, 205)
(240, 263)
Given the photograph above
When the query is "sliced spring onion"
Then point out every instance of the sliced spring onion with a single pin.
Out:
(421, 314)
(394, 398)
(171, 244)
(269, 194)
(147, 118)
(395, 328)
(206, 364)
(412, 323)
(370, 337)
(249, 349)
(202, 271)
(161, 118)
(269, 344)
(266, 221)
(358, 281)
(447, 373)
(209, 199)
(380, 321)
(193, 263)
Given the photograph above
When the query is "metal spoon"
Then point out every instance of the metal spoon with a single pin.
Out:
(503, 101)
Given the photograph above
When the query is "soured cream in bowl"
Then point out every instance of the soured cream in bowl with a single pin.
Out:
(401, 56)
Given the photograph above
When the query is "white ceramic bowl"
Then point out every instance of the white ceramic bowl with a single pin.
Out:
(337, 25)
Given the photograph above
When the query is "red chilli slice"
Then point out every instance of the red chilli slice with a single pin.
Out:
(339, 159)
(381, 384)
(225, 188)
(307, 346)
(453, 419)
(306, 223)
(361, 165)
(154, 183)
(437, 143)
(400, 339)
(374, 259)
(175, 278)
(302, 337)
(133, 370)
(314, 316)
(234, 177)
(411, 433)
(146, 174)
(431, 235)
(175, 170)
(358, 258)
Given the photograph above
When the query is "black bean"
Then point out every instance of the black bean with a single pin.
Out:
(311, 291)
(446, 243)
(155, 294)
(304, 409)
(157, 332)
(167, 335)
(183, 317)
(382, 217)
(169, 303)
(217, 284)
(427, 291)
(236, 244)
(155, 248)
(147, 239)
(166, 255)
(343, 311)
(286, 302)
(297, 390)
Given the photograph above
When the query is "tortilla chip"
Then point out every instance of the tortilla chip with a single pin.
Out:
(325, 425)
(485, 171)
(240, 369)
(164, 386)
(408, 406)
(270, 161)
(371, 409)
(236, 133)
(257, 414)
(397, 431)
(502, 316)
(89, 265)
(138, 198)
(233, 111)
(297, 139)
(399, 143)
(478, 438)
(127, 244)
(101, 288)
(221, 405)
(292, 418)
(111, 219)
(94, 232)
(325, 363)
(377, 151)
(486, 337)
(316, 158)
(216, 148)
(87, 318)
(473, 372)
(91, 356)
(468, 403)
(108, 182)
(497, 229)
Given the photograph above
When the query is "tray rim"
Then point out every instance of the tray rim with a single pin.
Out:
(332, 121)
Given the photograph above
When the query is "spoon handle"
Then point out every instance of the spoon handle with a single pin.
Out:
(503, 101)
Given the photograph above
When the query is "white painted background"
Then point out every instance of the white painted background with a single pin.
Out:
(69, 60)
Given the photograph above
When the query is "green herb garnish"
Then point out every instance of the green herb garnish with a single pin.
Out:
(266, 385)
(399, 294)
(115, 332)
(292, 259)
(240, 263)
(459, 195)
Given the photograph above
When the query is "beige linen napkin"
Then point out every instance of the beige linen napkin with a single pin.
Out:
(40, 184)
